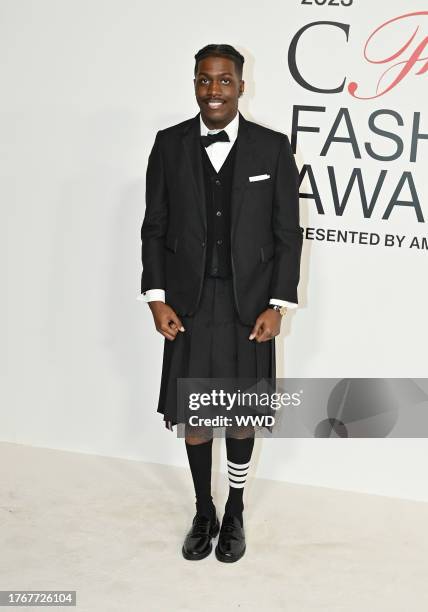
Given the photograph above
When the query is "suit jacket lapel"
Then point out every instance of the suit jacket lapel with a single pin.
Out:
(243, 155)
(192, 148)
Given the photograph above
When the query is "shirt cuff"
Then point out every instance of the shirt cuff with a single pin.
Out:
(158, 295)
(276, 302)
(152, 295)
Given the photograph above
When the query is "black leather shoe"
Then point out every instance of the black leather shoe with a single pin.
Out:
(197, 544)
(231, 542)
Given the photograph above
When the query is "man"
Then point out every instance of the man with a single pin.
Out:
(221, 247)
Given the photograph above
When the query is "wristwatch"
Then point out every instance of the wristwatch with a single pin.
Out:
(281, 309)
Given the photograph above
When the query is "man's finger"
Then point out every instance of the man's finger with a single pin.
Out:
(166, 329)
(167, 332)
(265, 335)
(168, 336)
(256, 329)
(176, 321)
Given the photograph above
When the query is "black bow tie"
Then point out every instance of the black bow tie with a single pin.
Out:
(219, 137)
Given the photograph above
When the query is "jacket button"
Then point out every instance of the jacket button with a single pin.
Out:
(219, 241)
(203, 244)
(218, 213)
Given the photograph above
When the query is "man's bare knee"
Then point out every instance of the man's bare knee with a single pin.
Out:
(198, 435)
(240, 432)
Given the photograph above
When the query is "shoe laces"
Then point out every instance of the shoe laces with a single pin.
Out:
(200, 521)
(228, 524)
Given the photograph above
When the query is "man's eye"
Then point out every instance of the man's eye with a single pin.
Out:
(205, 80)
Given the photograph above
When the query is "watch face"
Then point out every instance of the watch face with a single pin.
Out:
(281, 309)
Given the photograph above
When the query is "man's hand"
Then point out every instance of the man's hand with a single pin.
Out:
(267, 325)
(166, 321)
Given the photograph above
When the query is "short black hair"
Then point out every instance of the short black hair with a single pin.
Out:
(221, 51)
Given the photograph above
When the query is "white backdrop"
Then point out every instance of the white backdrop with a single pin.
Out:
(85, 87)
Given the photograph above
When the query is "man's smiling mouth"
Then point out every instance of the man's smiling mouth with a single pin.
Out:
(214, 104)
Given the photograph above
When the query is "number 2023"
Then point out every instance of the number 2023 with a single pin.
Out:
(329, 2)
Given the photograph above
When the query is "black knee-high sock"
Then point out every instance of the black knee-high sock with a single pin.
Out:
(239, 451)
(200, 461)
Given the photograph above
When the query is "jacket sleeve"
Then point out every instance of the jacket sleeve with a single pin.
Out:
(155, 221)
(285, 226)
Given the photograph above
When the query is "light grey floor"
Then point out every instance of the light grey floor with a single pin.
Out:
(112, 530)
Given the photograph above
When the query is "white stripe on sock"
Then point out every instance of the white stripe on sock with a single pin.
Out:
(238, 465)
(237, 472)
(235, 485)
(237, 478)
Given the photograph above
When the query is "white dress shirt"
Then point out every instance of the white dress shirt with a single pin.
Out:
(217, 152)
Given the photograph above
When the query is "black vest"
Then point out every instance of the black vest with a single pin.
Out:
(218, 190)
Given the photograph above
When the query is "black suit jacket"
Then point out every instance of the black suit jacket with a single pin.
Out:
(266, 239)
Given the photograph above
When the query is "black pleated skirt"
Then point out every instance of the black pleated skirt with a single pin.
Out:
(214, 345)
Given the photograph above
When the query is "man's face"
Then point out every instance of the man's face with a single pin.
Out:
(217, 89)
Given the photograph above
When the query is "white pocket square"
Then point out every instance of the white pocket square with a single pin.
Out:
(259, 177)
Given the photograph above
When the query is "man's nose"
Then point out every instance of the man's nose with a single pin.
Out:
(214, 87)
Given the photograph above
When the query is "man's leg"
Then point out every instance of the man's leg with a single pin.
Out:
(199, 441)
(205, 526)
(239, 447)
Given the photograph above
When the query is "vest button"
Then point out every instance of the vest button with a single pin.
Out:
(203, 244)
(217, 182)
(218, 213)
(219, 241)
